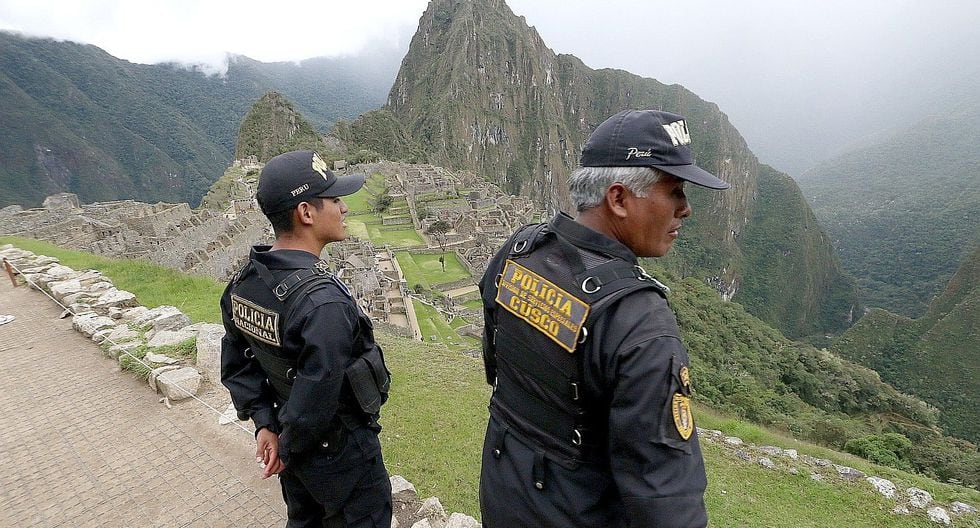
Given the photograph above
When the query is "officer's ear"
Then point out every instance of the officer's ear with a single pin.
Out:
(303, 214)
(615, 200)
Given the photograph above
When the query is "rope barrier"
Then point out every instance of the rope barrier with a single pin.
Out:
(138, 360)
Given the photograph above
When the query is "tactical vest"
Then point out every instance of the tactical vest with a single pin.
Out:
(262, 319)
(545, 304)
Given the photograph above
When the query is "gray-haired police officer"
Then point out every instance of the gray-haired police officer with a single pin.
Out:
(590, 418)
(299, 356)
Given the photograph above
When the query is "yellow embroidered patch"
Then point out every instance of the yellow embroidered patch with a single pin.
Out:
(256, 321)
(541, 304)
(683, 419)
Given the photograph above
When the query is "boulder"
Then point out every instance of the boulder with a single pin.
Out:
(432, 509)
(132, 314)
(163, 318)
(89, 323)
(155, 373)
(848, 473)
(961, 508)
(918, 498)
(209, 350)
(170, 337)
(733, 440)
(771, 450)
(114, 299)
(766, 463)
(402, 490)
(160, 359)
(60, 289)
(939, 516)
(122, 333)
(57, 272)
(179, 384)
(90, 277)
(458, 520)
(883, 486)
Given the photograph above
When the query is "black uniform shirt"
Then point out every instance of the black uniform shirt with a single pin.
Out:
(634, 364)
(320, 335)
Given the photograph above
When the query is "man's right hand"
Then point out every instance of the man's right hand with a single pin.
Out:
(267, 453)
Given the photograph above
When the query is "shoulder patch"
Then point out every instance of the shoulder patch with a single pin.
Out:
(683, 419)
(256, 321)
(541, 304)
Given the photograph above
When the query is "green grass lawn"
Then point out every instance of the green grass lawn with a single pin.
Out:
(427, 270)
(434, 421)
(475, 304)
(433, 325)
(360, 202)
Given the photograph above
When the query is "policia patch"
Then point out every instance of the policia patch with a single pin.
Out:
(258, 322)
(541, 304)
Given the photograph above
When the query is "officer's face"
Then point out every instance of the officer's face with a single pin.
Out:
(653, 222)
(330, 221)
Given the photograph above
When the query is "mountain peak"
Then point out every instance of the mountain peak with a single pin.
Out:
(273, 126)
(480, 90)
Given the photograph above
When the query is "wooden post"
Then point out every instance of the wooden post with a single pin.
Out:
(10, 272)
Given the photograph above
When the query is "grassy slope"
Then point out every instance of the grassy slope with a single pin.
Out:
(436, 444)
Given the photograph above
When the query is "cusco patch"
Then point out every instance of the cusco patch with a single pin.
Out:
(258, 322)
(683, 420)
(541, 304)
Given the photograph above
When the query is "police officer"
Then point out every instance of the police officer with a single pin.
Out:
(590, 417)
(299, 356)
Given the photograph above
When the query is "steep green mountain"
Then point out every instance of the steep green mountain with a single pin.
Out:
(903, 209)
(73, 118)
(273, 126)
(480, 90)
(936, 357)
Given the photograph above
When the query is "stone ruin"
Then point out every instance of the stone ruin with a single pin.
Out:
(214, 240)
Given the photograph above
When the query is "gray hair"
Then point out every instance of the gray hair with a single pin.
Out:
(587, 185)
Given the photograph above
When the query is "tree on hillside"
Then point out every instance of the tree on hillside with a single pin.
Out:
(438, 229)
(383, 201)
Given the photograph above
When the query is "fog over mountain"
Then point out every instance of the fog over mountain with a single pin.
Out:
(800, 80)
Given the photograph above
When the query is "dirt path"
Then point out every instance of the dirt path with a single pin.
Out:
(87, 445)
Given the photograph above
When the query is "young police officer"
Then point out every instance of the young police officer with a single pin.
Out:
(299, 356)
(590, 418)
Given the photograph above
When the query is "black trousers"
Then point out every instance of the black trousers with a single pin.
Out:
(329, 491)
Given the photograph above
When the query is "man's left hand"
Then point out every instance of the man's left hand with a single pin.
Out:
(267, 453)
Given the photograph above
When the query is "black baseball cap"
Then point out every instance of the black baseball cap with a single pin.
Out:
(299, 176)
(647, 138)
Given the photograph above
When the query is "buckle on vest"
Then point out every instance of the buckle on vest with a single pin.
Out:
(587, 289)
(280, 291)
(290, 374)
(520, 246)
(576, 437)
(248, 353)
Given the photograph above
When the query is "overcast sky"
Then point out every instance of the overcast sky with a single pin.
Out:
(799, 78)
